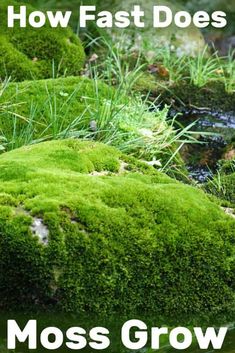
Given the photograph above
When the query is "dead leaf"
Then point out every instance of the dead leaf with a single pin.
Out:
(93, 58)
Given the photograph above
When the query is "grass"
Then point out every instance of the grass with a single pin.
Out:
(203, 68)
(86, 109)
(222, 185)
(134, 129)
(110, 117)
(199, 71)
(228, 69)
(82, 108)
(115, 67)
(175, 66)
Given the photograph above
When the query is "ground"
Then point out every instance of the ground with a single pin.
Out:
(184, 95)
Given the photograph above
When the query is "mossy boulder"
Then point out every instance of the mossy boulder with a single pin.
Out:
(44, 52)
(44, 108)
(184, 95)
(63, 5)
(85, 228)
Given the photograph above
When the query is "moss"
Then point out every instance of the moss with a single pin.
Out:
(187, 96)
(49, 106)
(38, 53)
(64, 5)
(122, 237)
(223, 185)
(14, 63)
(224, 189)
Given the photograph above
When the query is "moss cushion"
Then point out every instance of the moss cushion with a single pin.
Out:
(27, 53)
(44, 107)
(86, 228)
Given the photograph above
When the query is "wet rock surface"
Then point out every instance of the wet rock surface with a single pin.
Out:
(202, 159)
(40, 230)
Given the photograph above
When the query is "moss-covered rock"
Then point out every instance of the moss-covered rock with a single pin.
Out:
(184, 95)
(63, 5)
(86, 228)
(44, 108)
(44, 52)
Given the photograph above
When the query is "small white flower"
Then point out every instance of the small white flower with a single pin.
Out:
(146, 133)
(154, 163)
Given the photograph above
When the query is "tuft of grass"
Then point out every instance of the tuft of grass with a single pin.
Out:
(175, 66)
(228, 69)
(116, 67)
(203, 68)
(131, 124)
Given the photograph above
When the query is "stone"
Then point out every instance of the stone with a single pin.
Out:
(149, 39)
(127, 241)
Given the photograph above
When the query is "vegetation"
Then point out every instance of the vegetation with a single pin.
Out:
(89, 220)
(107, 216)
(223, 184)
(32, 53)
(165, 66)
(35, 111)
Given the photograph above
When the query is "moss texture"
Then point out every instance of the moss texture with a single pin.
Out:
(49, 105)
(223, 185)
(63, 5)
(28, 53)
(186, 96)
(122, 237)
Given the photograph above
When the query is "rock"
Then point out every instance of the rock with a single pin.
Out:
(229, 211)
(27, 53)
(224, 45)
(40, 230)
(131, 240)
(149, 39)
(217, 5)
(72, 95)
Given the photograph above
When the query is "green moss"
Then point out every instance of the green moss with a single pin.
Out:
(223, 185)
(64, 5)
(213, 96)
(45, 107)
(38, 53)
(122, 237)
(13, 62)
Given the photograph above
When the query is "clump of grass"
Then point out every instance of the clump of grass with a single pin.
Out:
(129, 123)
(176, 67)
(203, 68)
(46, 119)
(116, 67)
(228, 69)
(135, 129)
